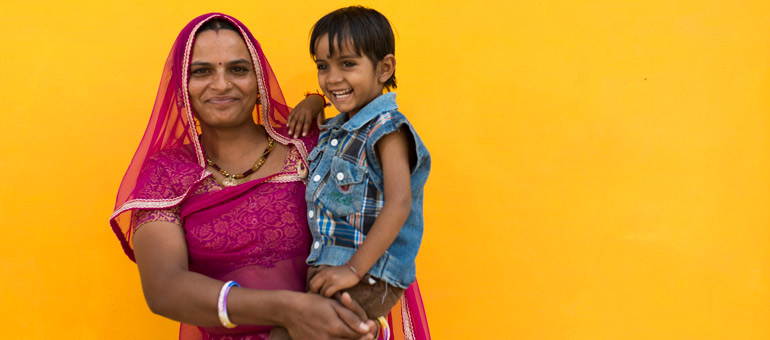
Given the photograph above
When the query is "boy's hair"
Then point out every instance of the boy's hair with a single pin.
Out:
(367, 30)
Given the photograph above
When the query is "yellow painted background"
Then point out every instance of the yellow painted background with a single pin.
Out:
(601, 169)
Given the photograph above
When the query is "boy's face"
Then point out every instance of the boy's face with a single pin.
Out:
(349, 80)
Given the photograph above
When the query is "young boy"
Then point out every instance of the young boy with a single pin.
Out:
(367, 174)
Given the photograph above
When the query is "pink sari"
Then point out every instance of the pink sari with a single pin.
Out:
(255, 233)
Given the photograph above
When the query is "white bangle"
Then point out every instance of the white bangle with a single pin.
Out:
(222, 304)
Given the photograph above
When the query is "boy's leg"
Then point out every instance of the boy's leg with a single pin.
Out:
(376, 298)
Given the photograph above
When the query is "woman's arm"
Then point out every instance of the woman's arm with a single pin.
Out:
(171, 290)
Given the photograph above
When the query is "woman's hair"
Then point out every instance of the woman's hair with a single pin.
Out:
(217, 24)
(367, 30)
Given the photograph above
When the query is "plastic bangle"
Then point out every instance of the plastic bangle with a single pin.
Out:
(353, 269)
(222, 304)
(384, 328)
(326, 103)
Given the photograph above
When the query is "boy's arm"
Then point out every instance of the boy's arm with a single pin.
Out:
(301, 116)
(393, 156)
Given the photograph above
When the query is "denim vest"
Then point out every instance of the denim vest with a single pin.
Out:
(345, 191)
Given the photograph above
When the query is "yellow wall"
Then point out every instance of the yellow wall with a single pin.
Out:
(600, 168)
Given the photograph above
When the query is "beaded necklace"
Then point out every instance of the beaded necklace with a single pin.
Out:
(232, 179)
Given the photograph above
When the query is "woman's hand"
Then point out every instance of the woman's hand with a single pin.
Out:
(331, 280)
(301, 117)
(351, 304)
(316, 317)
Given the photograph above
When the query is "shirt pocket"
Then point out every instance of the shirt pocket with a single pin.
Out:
(344, 192)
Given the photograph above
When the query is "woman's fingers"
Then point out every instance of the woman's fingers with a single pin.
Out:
(347, 301)
(352, 320)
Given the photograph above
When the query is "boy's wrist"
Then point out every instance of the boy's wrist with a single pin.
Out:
(319, 97)
(360, 268)
(354, 270)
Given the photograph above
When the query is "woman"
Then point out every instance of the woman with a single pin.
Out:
(195, 211)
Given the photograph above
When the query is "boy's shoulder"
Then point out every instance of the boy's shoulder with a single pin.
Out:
(378, 114)
(387, 120)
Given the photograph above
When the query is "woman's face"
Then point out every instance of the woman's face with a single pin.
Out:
(223, 85)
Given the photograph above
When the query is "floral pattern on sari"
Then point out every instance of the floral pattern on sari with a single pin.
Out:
(262, 228)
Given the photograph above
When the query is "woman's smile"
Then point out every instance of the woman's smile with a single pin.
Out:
(222, 101)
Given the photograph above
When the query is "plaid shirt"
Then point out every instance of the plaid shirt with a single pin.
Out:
(342, 181)
(345, 192)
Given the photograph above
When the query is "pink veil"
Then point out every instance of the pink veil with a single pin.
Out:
(172, 124)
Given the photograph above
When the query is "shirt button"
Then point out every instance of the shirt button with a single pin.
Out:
(310, 214)
(316, 178)
(334, 142)
(316, 245)
(340, 176)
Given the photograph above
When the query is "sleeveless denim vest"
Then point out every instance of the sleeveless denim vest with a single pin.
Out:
(345, 191)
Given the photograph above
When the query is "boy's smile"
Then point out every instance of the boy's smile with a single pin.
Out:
(349, 80)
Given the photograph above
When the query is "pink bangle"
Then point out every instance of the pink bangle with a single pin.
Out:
(353, 269)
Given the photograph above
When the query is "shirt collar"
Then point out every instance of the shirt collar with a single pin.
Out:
(383, 103)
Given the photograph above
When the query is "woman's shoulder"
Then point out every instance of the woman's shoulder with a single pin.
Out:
(168, 173)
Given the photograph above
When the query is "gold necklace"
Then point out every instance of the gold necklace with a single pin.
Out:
(232, 179)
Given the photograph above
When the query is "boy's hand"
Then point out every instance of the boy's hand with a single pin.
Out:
(301, 117)
(331, 280)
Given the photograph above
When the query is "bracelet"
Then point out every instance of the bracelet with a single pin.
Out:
(384, 328)
(326, 103)
(222, 304)
(353, 269)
